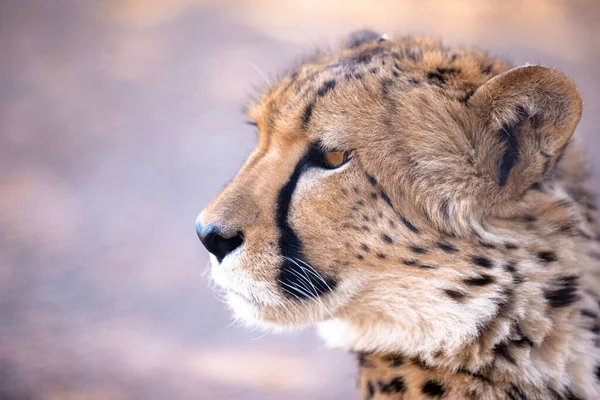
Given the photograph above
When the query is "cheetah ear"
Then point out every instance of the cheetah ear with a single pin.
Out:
(359, 37)
(523, 120)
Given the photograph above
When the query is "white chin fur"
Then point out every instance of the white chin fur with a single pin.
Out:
(230, 277)
(250, 315)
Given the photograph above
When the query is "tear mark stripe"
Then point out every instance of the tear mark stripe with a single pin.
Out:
(297, 279)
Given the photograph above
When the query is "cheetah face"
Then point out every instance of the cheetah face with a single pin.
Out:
(374, 165)
(274, 252)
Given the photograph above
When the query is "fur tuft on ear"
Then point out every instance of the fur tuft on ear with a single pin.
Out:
(522, 122)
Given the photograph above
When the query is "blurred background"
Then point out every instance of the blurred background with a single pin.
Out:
(119, 120)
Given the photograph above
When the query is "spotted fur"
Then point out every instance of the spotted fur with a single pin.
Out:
(456, 252)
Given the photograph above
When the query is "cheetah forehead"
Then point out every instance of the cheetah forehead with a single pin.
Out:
(407, 64)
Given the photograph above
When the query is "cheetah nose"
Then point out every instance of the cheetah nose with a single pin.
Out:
(216, 242)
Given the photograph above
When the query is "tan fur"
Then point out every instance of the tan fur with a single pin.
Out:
(451, 282)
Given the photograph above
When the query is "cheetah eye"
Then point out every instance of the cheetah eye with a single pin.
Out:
(335, 159)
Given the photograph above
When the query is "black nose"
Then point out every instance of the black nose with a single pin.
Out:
(216, 243)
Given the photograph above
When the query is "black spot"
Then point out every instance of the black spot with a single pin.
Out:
(306, 116)
(409, 225)
(563, 292)
(386, 198)
(445, 210)
(358, 76)
(546, 167)
(381, 256)
(529, 218)
(363, 58)
(536, 186)
(523, 340)
(372, 180)
(395, 73)
(569, 395)
(447, 247)
(468, 94)
(413, 81)
(479, 280)
(482, 262)
(348, 76)
(448, 71)
(510, 246)
(488, 245)
(373, 70)
(360, 203)
(394, 360)
(508, 135)
(589, 314)
(363, 362)
(414, 54)
(433, 389)
(421, 364)
(417, 249)
(475, 375)
(370, 390)
(510, 267)
(597, 372)
(410, 262)
(360, 257)
(386, 238)
(501, 350)
(515, 393)
(365, 247)
(386, 83)
(396, 385)
(455, 294)
(437, 79)
(547, 256)
(292, 278)
(374, 196)
(327, 86)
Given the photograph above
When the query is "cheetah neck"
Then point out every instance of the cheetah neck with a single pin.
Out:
(543, 320)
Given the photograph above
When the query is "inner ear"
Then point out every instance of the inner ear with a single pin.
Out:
(524, 119)
(508, 135)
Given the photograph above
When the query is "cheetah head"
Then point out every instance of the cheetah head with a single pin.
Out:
(374, 164)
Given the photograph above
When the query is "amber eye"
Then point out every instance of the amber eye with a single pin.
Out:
(335, 159)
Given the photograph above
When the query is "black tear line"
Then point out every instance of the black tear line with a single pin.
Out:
(291, 275)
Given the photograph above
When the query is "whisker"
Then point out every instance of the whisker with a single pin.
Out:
(262, 74)
(315, 273)
(297, 289)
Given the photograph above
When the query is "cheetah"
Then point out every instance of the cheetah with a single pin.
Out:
(426, 208)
